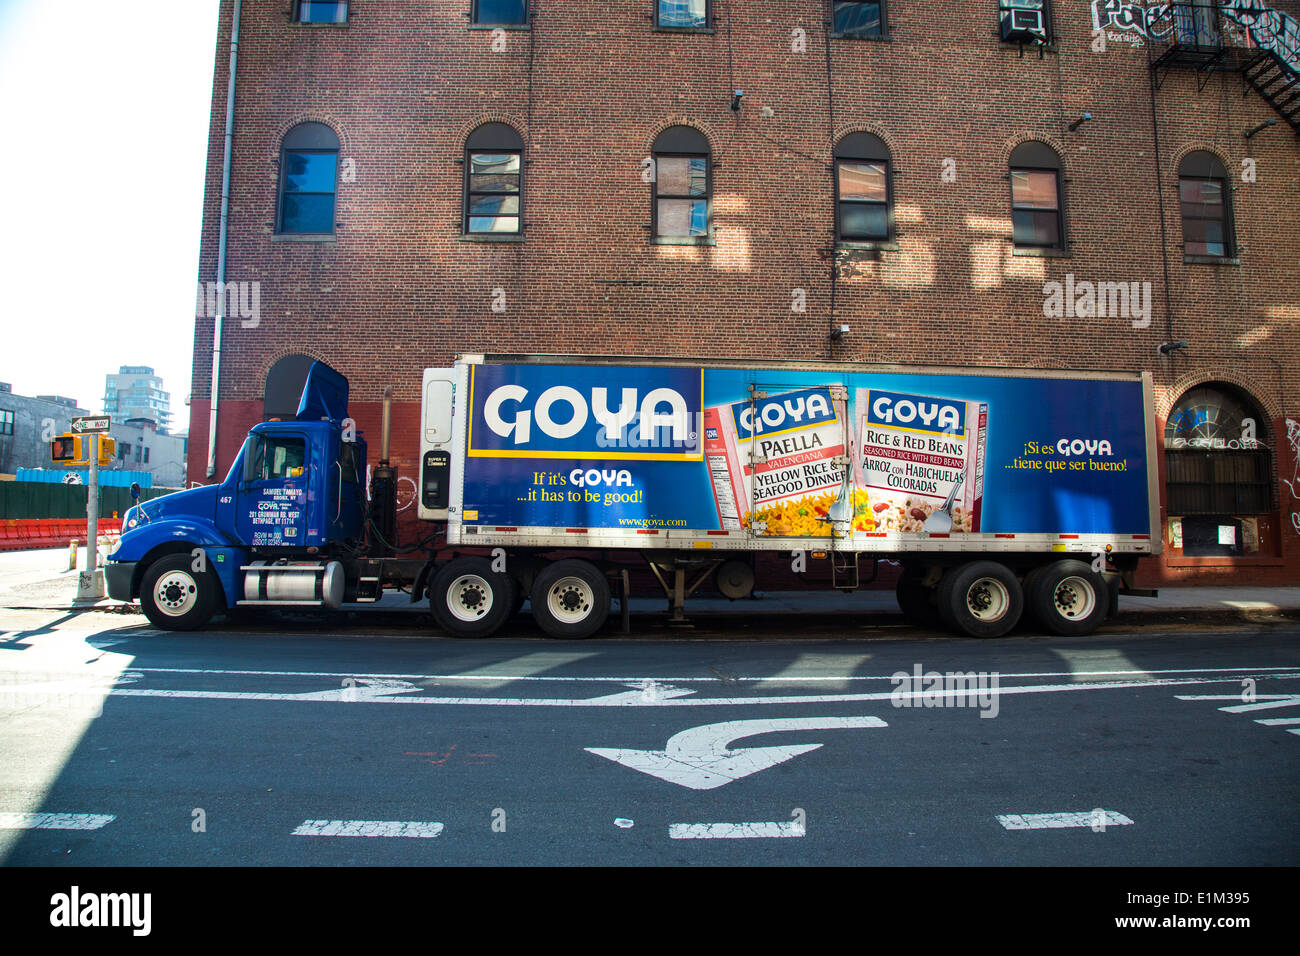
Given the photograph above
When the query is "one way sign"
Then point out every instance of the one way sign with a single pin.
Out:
(90, 423)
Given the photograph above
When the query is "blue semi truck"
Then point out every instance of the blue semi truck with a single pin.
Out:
(1000, 492)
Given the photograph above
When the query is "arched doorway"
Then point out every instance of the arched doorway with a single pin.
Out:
(1218, 477)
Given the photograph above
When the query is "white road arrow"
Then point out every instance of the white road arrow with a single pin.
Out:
(699, 758)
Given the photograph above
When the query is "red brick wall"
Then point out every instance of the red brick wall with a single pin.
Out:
(404, 83)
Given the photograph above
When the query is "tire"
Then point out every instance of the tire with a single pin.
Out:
(916, 600)
(570, 599)
(175, 597)
(980, 599)
(469, 599)
(1068, 598)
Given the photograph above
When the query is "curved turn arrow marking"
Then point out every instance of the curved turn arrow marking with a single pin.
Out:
(699, 758)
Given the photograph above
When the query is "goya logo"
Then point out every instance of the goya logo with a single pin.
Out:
(916, 412)
(783, 413)
(580, 412)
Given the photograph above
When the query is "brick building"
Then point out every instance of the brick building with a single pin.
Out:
(414, 179)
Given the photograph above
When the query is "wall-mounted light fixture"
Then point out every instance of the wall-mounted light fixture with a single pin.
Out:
(1167, 347)
(736, 97)
(837, 334)
(1261, 127)
(1079, 122)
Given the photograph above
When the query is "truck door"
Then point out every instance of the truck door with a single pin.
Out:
(273, 492)
(436, 451)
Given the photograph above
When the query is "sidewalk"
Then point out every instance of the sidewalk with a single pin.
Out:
(39, 580)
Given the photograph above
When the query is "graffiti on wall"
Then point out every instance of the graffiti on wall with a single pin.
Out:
(1293, 436)
(1244, 23)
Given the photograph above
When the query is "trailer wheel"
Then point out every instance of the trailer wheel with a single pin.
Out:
(915, 599)
(1068, 598)
(469, 599)
(980, 599)
(175, 597)
(570, 599)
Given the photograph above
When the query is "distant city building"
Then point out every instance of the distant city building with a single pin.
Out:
(143, 446)
(136, 392)
(27, 424)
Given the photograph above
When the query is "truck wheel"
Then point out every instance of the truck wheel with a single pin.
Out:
(980, 599)
(175, 597)
(570, 599)
(914, 599)
(1068, 598)
(469, 599)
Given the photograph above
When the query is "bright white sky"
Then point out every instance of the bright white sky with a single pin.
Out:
(104, 110)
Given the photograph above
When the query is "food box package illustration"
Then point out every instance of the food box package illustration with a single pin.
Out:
(779, 463)
(920, 455)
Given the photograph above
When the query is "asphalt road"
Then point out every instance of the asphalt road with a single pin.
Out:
(299, 744)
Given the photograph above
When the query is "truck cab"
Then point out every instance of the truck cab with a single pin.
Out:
(293, 501)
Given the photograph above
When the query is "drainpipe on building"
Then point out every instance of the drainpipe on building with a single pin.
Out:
(221, 244)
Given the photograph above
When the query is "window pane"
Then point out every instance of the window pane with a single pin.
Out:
(493, 163)
(309, 172)
(1203, 237)
(683, 217)
(1033, 189)
(681, 175)
(1205, 192)
(494, 184)
(500, 11)
(1032, 228)
(683, 13)
(323, 11)
(493, 205)
(494, 224)
(857, 18)
(860, 220)
(863, 181)
(307, 213)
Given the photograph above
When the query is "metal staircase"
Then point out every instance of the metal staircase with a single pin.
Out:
(1242, 36)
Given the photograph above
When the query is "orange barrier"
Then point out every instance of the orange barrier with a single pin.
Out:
(23, 534)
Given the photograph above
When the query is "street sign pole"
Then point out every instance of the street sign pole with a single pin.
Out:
(90, 583)
(92, 507)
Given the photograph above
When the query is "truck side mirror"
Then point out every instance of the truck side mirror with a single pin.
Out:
(135, 491)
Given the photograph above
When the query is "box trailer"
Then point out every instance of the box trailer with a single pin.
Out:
(999, 491)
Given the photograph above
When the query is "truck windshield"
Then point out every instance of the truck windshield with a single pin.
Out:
(274, 457)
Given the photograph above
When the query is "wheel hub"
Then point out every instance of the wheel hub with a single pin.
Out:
(176, 593)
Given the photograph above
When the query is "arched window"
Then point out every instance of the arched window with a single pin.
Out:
(494, 192)
(683, 184)
(1207, 213)
(1218, 470)
(863, 191)
(309, 159)
(1036, 219)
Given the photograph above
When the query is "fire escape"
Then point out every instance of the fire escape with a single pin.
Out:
(1240, 36)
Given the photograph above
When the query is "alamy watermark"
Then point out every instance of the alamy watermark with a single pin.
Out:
(241, 300)
(1084, 299)
(923, 688)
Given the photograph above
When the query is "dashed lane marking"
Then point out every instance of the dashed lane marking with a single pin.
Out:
(1058, 821)
(55, 821)
(368, 828)
(733, 831)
